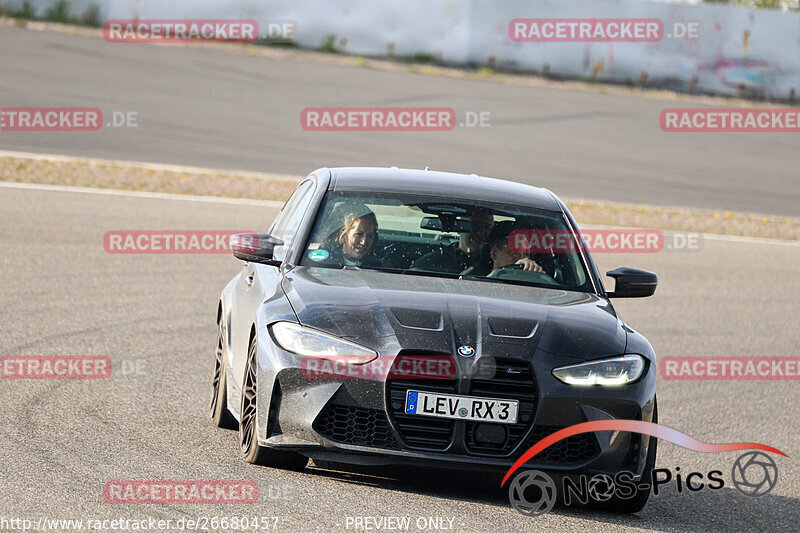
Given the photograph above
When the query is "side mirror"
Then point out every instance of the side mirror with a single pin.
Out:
(632, 283)
(255, 247)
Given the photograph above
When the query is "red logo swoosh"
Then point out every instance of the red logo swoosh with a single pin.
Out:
(634, 426)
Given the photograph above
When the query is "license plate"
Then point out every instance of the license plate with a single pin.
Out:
(461, 407)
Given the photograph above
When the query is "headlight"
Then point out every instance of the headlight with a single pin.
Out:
(313, 343)
(611, 371)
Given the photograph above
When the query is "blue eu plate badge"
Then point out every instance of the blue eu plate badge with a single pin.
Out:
(411, 402)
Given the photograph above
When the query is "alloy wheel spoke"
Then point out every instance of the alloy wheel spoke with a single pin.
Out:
(217, 370)
(248, 415)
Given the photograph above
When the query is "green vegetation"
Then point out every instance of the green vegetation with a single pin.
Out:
(329, 44)
(276, 41)
(58, 12)
(26, 11)
(420, 57)
(91, 17)
(789, 5)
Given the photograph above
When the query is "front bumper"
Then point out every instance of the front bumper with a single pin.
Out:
(361, 421)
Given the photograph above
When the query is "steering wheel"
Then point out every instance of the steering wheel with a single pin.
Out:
(517, 272)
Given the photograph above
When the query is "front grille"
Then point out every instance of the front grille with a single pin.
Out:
(355, 425)
(421, 432)
(503, 379)
(491, 378)
(572, 450)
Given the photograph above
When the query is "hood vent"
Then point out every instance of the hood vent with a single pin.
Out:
(512, 327)
(419, 319)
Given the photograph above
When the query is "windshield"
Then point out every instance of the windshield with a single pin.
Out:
(434, 236)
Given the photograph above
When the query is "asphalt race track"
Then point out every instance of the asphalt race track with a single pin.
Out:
(61, 293)
(153, 315)
(209, 108)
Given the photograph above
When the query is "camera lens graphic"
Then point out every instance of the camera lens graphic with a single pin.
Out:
(539, 486)
(754, 474)
(601, 487)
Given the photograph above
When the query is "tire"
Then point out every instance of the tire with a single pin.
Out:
(220, 416)
(639, 500)
(248, 440)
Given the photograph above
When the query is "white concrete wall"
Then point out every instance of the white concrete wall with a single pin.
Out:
(738, 48)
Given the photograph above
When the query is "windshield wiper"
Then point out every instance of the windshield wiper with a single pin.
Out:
(406, 271)
(482, 278)
(431, 273)
(518, 282)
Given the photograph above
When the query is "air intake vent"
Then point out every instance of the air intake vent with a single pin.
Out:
(572, 450)
(356, 426)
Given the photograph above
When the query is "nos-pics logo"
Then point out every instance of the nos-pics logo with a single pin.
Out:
(533, 492)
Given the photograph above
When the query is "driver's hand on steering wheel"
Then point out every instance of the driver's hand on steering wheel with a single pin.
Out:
(530, 265)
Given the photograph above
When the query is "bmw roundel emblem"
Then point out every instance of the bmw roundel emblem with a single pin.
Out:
(466, 351)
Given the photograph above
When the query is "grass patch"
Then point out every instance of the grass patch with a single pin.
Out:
(124, 176)
(420, 57)
(484, 73)
(277, 41)
(329, 45)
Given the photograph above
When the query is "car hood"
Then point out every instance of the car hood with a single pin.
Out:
(393, 313)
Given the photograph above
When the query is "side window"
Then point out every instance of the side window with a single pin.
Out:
(288, 223)
(287, 207)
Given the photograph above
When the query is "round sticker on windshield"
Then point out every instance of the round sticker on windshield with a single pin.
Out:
(318, 255)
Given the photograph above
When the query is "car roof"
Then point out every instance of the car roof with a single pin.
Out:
(445, 184)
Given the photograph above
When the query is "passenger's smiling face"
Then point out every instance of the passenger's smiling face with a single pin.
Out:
(357, 241)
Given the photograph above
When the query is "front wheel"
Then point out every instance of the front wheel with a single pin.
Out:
(248, 440)
(220, 416)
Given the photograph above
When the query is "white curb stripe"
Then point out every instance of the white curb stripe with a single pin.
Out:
(148, 166)
(141, 194)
